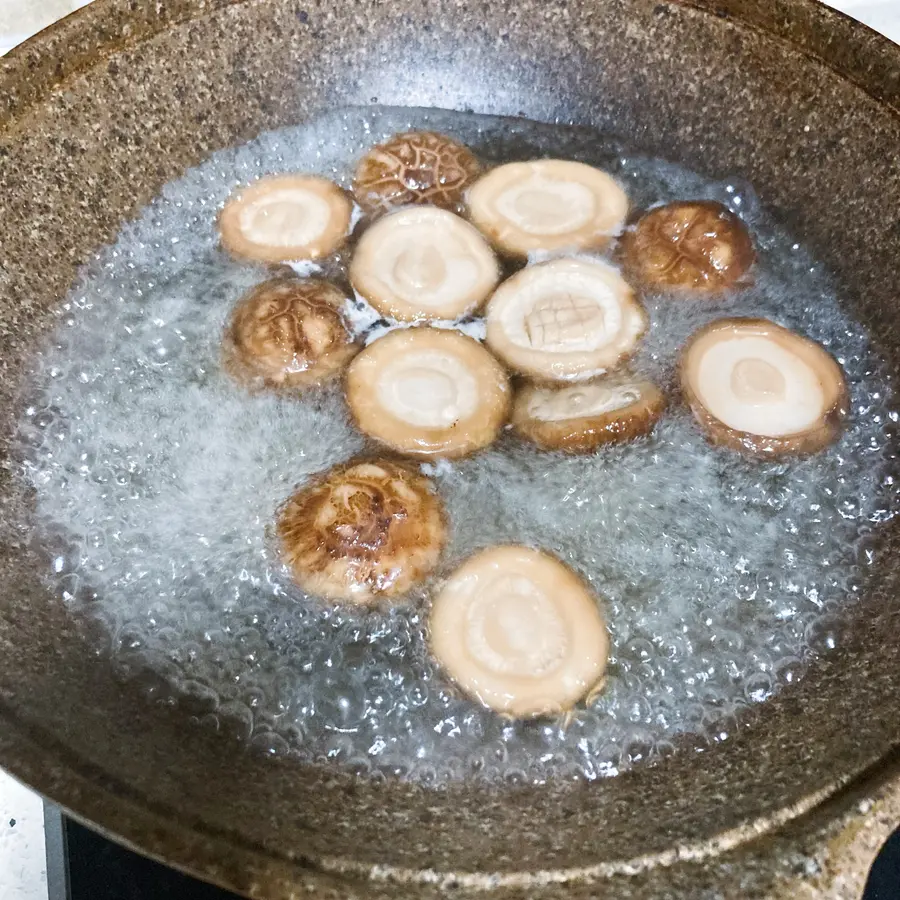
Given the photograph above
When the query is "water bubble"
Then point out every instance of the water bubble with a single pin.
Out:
(156, 481)
(758, 687)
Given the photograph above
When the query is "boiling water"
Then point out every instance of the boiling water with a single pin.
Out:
(157, 480)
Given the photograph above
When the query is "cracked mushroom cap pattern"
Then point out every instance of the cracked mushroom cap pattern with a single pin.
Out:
(689, 245)
(417, 167)
(289, 332)
(363, 531)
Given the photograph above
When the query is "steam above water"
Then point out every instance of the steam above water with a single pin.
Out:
(157, 481)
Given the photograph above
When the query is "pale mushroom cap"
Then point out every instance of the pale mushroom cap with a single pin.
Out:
(547, 204)
(416, 167)
(284, 218)
(696, 245)
(289, 332)
(564, 320)
(757, 378)
(582, 401)
(364, 531)
(519, 631)
(424, 263)
(427, 392)
(579, 418)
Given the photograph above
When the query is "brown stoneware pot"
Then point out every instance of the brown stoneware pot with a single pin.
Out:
(98, 112)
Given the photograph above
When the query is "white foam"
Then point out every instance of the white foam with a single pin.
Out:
(306, 268)
(157, 480)
(367, 323)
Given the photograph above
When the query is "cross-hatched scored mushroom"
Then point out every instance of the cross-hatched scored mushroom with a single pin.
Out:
(363, 532)
(289, 333)
(564, 320)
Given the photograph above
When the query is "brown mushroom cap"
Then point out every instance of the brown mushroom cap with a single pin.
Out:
(284, 218)
(762, 389)
(424, 263)
(417, 167)
(363, 532)
(579, 418)
(691, 245)
(564, 320)
(519, 632)
(428, 393)
(547, 204)
(289, 333)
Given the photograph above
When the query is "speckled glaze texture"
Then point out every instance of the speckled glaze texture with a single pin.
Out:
(99, 112)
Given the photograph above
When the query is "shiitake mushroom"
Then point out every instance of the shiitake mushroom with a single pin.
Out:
(564, 320)
(697, 245)
(284, 218)
(578, 418)
(363, 532)
(289, 333)
(547, 205)
(428, 392)
(519, 632)
(762, 389)
(416, 167)
(423, 263)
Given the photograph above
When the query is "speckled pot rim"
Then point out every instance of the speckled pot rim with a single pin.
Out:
(839, 814)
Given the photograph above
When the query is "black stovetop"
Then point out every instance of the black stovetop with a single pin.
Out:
(101, 870)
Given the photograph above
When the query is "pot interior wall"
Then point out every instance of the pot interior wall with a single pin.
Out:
(676, 80)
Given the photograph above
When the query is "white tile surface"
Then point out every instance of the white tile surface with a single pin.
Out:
(23, 873)
(23, 859)
(882, 15)
(20, 19)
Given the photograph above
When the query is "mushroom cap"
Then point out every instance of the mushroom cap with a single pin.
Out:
(289, 333)
(518, 631)
(579, 418)
(362, 532)
(564, 320)
(424, 263)
(696, 245)
(428, 392)
(547, 204)
(762, 389)
(416, 167)
(284, 218)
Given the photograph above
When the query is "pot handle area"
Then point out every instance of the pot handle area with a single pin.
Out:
(826, 853)
(830, 858)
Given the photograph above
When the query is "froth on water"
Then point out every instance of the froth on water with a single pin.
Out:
(157, 481)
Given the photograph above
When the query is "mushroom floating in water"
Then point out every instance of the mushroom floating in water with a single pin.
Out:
(564, 320)
(428, 393)
(363, 532)
(417, 167)
(549, 205)
(579, 418)
(518, 631)
(424, 263)
(284, 218)
(289, 333)
(690, 245)
(764, 390)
